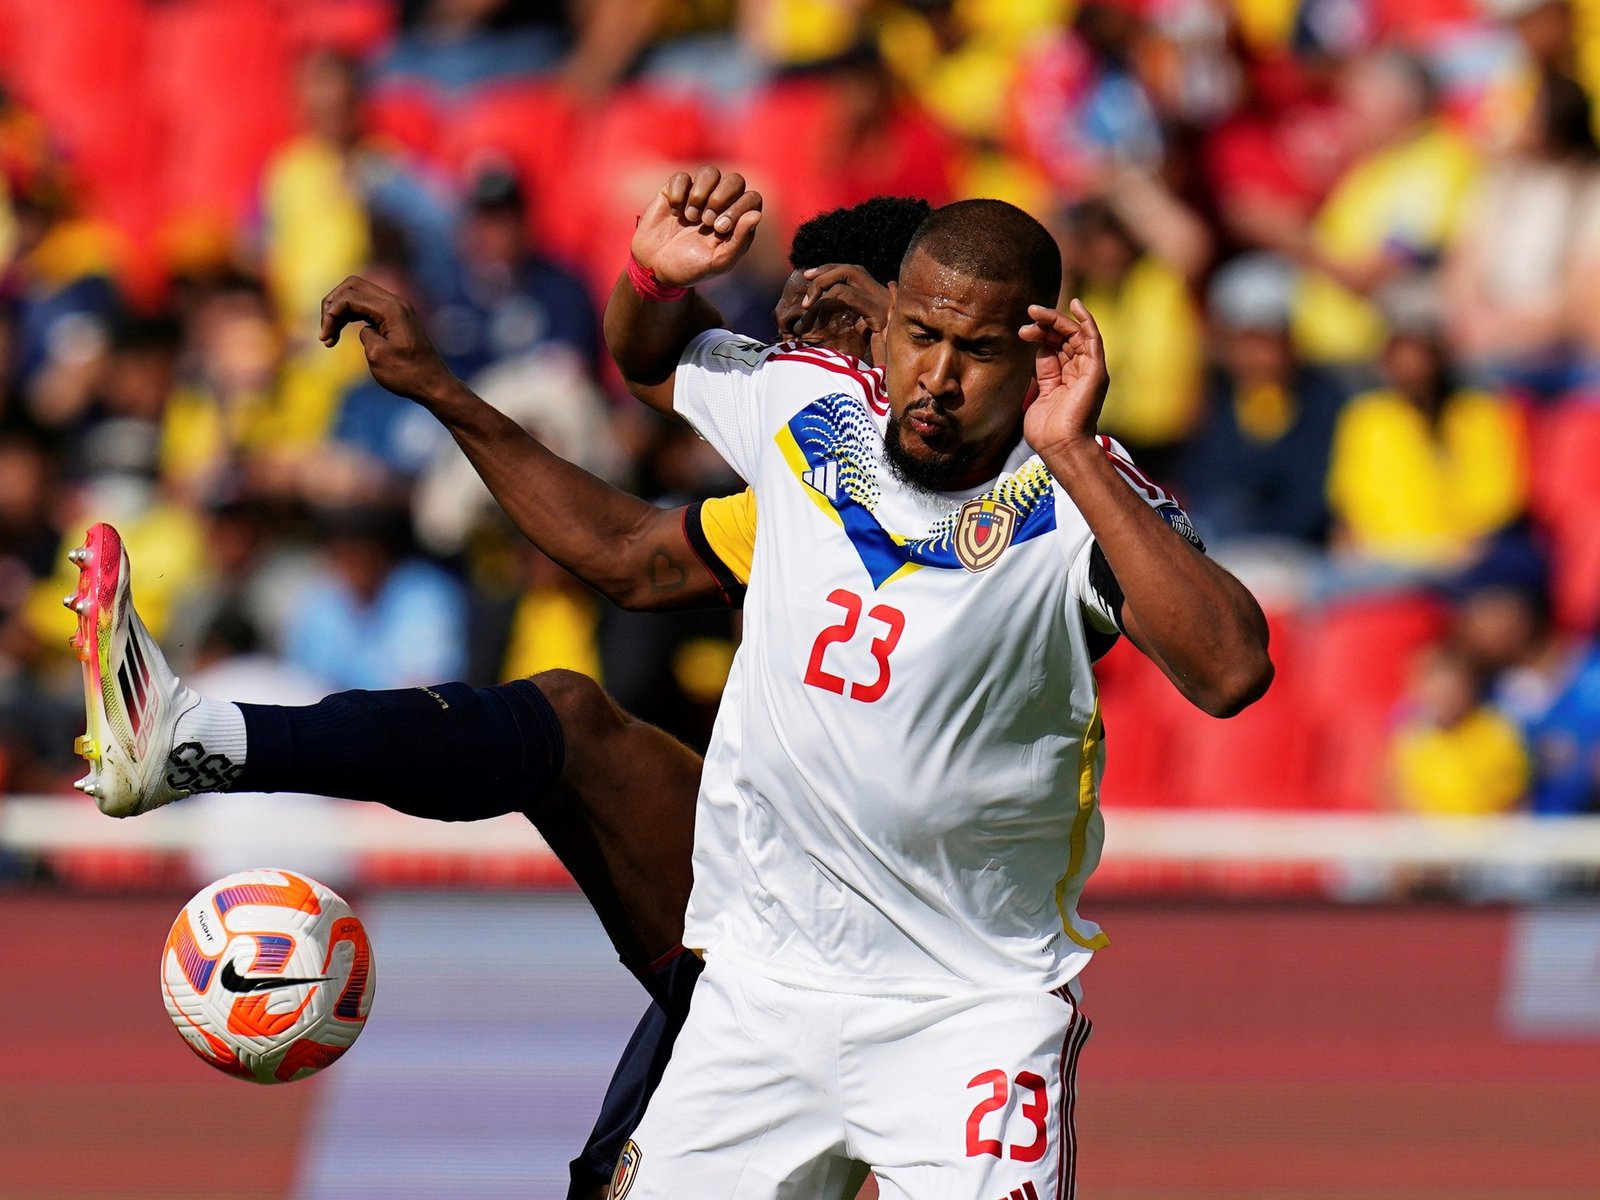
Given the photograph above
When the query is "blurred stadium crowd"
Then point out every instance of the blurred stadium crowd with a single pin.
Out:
(1346, 255)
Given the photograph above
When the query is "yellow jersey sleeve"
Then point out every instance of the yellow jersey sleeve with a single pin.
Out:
(722, 532)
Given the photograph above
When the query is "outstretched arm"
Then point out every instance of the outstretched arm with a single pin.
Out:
(627, 549)
(1198, 623)
(694, 229)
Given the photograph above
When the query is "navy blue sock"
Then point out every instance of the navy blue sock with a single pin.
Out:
(449, 752)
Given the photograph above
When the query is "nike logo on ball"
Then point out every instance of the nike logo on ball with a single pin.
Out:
(232, 981)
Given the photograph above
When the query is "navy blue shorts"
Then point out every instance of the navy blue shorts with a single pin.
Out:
(670, 982)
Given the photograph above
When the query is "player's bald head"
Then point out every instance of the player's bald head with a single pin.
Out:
(993, 241)
(956, 370)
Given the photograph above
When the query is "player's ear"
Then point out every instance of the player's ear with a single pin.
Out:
(894, 292)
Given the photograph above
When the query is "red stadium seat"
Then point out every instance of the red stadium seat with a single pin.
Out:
(1566, 446)
(1260, 758)
(520, 869)
(1566, 495)
(63, 60)
(1142, 712)
(1162, 751)
(1575, 567)
(640, 120)
(356, 27)
(411, 118)
(534, 128)
(801, 141)
(1359, 651)
(1358, 660)
(629, 148)
(793, 170)
(909, 153)
(219, 80)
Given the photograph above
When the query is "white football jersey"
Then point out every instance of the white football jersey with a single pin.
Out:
(901, 791)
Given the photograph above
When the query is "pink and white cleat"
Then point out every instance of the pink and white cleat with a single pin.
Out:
(132, 698)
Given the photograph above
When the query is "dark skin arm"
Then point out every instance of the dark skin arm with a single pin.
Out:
(627, 549)
(1193, 619)
(696, 227)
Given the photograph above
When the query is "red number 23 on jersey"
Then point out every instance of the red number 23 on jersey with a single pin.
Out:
(894, 624)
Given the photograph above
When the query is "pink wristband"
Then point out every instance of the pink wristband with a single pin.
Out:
(644, 282)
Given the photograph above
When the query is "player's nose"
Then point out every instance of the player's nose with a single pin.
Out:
(940, 379)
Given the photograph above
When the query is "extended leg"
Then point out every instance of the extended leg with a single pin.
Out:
(621, 816)
(613, 797)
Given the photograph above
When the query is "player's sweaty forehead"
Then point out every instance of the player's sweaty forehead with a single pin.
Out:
(950, 302)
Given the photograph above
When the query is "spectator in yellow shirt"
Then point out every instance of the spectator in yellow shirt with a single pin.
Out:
(329, 196)
(1141, 300)
(1453, 755)
(1390, 215)
(1423, 471)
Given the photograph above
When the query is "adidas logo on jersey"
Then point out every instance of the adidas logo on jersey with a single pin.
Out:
(824, 479)
(1026, 1192)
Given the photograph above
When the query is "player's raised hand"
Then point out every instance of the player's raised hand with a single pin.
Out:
(399, 352)
(697, 226)
(853, 287)
(1070, 370)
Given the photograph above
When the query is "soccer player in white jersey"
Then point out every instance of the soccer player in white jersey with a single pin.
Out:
(898, 810)
(615, 798)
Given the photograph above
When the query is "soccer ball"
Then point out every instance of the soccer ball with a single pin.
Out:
(267, 975)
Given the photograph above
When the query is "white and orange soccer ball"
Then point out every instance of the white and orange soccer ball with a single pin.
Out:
(268, 975)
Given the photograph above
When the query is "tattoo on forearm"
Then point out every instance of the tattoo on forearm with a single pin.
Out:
(666, 572)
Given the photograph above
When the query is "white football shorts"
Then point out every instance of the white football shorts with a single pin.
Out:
(776, 1092)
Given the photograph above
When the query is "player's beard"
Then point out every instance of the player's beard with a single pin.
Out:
(936, 473)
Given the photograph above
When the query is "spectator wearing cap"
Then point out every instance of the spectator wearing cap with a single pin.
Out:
(1257, 465)
(1424, 471)
(508, 301)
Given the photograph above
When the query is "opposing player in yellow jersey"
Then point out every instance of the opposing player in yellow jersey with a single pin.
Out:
(898, 810)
